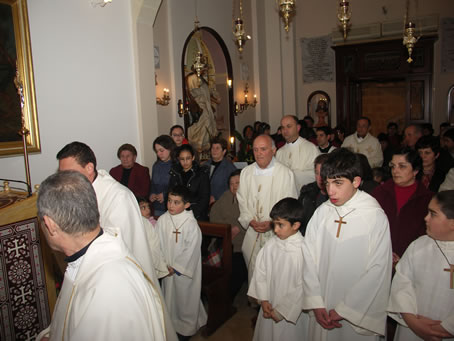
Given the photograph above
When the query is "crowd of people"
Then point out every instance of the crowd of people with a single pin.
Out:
(331, 233)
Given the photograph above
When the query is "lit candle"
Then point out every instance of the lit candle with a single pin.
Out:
(229, 83)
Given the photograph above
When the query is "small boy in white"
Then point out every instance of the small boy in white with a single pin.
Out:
(181, 240)
(347, 258)
(277, 282)
(422, 292)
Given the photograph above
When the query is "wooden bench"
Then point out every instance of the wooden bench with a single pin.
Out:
(216, 280)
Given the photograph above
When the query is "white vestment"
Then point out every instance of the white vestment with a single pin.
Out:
(259, 190)
(159, 262)
(350, 274)
(299, 157)
(369, 146)
(118, 207)
(278, 279)
(448, 184)
(182, 252)
(422, 287)
(105, 296)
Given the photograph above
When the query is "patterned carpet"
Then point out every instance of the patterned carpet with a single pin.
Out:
(24, 309)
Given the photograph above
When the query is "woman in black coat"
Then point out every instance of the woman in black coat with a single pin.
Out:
(188, 173)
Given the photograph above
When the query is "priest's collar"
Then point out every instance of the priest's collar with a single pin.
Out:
(360, 138)
(82, 251)
(267, 170)
(294, 143)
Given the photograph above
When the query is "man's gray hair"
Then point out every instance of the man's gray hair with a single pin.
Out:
(68, 198)
(270, 139)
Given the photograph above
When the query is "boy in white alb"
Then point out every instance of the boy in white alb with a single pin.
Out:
(277, 282)
(347, 258)
(422, 292)
(181, 240)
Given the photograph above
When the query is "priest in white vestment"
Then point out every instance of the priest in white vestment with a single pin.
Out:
(422, 292)
(363, 142)
(278, 278)
(262, 184)
(298, 154)
(181, 241)
(347, 258)
(105, 294)
(117, 207)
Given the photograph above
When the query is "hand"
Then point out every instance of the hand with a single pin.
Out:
(262, 227)
(439, 328)
(266, 307)
(160, 197)
(423, 327)
(152, 197)
(212, 199)
(335, 318)
(323, 318)
(235, 231)
(396, 258)
(275, 316)
(171, 272)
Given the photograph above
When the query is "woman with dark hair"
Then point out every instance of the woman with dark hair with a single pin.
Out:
(188, 173)
(164, 147)
(404, 199)
(245, 153)
(367, 180)
(433, 176)
(130, 173)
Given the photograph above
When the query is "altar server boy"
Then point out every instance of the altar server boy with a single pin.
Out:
(277, 282)
(347, 258)
(422, 293)
(181, 240)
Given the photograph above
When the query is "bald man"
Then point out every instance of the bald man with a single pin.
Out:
(298, 154)
(412, 134)
(262, 184)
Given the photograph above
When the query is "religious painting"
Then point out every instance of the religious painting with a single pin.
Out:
(319, 108)
(17, 92)
(451, 105)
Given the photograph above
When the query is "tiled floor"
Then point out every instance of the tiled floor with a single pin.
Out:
(238, 328)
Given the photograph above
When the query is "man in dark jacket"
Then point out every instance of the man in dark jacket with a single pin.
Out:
(313, 195)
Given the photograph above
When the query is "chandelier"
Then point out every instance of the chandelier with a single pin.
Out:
(344, 14)
(409, 39)
(239, 35)
(286, 11)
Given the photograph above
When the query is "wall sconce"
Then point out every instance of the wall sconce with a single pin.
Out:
(239, 108)
(344, 14)
(165, 99)
(100, 3)
(182, 109)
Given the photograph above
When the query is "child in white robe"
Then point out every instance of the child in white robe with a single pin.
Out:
(422, 292)
(347, 258)
(277, 282)
(181, 240)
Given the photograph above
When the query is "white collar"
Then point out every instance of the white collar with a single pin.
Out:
(267, 171)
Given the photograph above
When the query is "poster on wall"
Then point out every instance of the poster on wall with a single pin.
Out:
(447, 45)
(318, 59)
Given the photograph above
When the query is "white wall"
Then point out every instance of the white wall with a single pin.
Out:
(84, 80)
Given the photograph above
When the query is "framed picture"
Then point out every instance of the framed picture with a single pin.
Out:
(451, 105)
(319, 108)
(17, 90)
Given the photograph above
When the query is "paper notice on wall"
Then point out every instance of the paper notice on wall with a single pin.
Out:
(447, 45)
(318, 59)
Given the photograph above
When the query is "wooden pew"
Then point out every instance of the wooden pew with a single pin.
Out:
(216, 280)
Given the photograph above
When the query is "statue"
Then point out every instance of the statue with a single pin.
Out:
(322, 114)
(203, 102)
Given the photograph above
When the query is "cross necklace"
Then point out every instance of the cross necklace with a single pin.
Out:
(450, 269)
(340, 221)
(177, 229)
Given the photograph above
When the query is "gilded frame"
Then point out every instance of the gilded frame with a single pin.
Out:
(25, 71)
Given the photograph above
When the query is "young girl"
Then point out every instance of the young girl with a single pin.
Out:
(163, 147)
(422, 293)
(188, 173)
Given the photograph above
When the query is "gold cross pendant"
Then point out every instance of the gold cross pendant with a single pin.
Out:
(340, 221)
(176, 235)
(451, 271)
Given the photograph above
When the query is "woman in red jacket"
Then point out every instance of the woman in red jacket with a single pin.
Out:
(404, 199)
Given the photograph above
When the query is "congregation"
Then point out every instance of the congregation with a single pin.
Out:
(336, 237)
